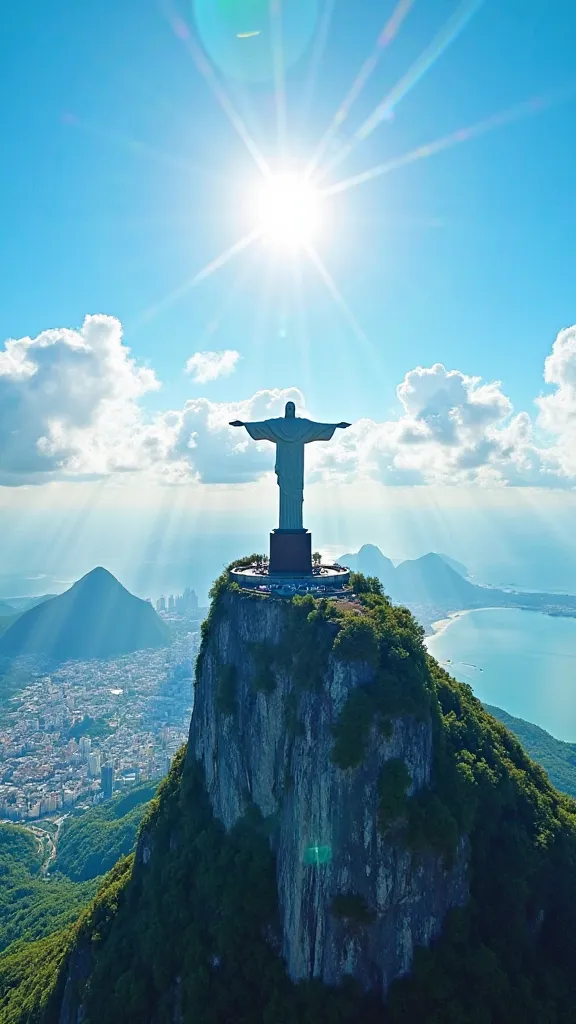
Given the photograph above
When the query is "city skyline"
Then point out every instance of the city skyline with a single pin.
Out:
(185, 603)
(138, 708)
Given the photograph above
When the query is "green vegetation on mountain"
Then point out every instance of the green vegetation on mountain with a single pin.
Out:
(352, 729)
(96, 618)
(190, 932)
(18, 847)
(31, 906)
(557, 757)
(91, 841)
(30, 977)
(388, 637)
(95, 728)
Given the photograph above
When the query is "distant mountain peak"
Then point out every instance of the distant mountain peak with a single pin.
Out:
(370, 561)
(458, 567)
(96, 618)
(432, 579)
(98, 574)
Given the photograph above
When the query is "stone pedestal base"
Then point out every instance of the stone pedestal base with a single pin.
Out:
(291, 552)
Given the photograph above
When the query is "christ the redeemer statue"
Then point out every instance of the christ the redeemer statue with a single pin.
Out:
(290, 433)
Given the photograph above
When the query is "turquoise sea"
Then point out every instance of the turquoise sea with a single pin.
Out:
(521, 661)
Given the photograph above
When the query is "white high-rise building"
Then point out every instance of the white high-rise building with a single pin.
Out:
(94, 764)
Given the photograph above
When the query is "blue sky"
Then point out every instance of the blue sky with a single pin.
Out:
(465, 258)
(122, 178)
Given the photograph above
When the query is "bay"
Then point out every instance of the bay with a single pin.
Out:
(521, 661)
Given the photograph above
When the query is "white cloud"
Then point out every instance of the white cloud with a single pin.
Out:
(68, 402)
(557, 412)
(454, 429)
(218, 453)
(446, 406)
(207, 366)
(70, 409)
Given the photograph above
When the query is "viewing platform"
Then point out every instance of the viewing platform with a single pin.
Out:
(323, 580)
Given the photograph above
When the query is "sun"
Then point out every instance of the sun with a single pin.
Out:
(288, 211)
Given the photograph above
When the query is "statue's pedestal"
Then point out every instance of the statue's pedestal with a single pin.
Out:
(291, 552)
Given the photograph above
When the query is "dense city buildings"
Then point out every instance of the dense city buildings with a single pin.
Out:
(182, 604)
(84, 729)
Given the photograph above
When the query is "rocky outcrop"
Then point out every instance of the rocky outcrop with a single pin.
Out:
(275, 750)
(80, 964)
(325, 810)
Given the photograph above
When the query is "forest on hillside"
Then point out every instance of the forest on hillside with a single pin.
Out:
(555, 756)
(506, 958)
(33, 906)
(92, 841)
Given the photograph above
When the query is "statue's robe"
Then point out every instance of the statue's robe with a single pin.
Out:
(290, 434)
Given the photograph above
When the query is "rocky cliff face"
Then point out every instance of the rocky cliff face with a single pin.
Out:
(323, 819)
(329, 761)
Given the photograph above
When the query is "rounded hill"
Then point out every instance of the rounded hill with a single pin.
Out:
(96, 618)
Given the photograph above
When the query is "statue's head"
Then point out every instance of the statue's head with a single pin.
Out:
(290, 410)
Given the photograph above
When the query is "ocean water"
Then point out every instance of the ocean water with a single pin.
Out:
(521, 661)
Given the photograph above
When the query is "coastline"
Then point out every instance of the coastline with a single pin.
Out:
(441, 625)
(513, 659)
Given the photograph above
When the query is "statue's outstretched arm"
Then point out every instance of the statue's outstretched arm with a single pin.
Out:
(323, 431)
(259, 431)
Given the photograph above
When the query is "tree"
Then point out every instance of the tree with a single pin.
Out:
(317, 557)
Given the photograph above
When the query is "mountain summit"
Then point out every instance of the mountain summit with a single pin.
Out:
(434, 585)
(431, 579)
(96, 618)
(371, 562)
(348, 837)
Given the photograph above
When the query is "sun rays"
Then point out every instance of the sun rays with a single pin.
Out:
(515, 113)
(289, 209)
(338, 298)
(386, 36)
(447, 35)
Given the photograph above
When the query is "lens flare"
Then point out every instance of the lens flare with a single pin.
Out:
(317, 854)
(240, 36)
